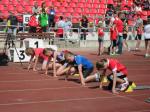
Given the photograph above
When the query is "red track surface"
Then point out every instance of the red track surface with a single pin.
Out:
(23, 91)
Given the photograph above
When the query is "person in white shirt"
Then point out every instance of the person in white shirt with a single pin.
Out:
(147, 37)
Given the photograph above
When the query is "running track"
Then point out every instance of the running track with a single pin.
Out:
(23, 91)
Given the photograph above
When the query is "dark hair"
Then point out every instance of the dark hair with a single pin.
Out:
(100, 64)
(61, 17)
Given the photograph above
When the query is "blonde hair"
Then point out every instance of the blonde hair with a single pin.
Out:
(29, 51)
(46, 50)
(68, 54)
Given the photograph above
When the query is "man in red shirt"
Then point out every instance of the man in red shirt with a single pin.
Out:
(119, 26)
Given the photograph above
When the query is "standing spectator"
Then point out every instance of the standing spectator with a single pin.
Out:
(51, 16)
(33, 23)
(100, 39)
(43, 20)
(84, 25)
(119, 26)
(14, 24)
(147, 37)
(113, 38)
(138, 28)
(125, 34)
(60, 25)
(35, 8)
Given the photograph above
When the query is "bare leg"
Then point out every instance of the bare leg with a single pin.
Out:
(90, 78)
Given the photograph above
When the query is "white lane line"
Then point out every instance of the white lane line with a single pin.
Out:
(28, 80)
(62, 100)
(141, 111)
(39, 89)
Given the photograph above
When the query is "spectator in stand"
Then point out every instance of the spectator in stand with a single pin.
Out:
(14, 24)
(138, 30)
(60, 25)
(146, 5)
(109, 14)
(51, 16)
(33, 23)
(43, 20)
(43, 7)
(84, 25)
(147, 37)
(138, 9)
(35, 8)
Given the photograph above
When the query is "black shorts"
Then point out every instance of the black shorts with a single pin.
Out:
(147, 39)
(138, 37)
(100, 39)
(114, 43)
(87, 72)
(125, 36)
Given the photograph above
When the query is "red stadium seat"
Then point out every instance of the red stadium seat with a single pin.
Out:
(23, 3)
(78, 10)
(102, 6)
(75, 20)
(10, 8)
(148, 13)
(5, 2)
(48, 3)
(86, 11)
(96, 5)
(88, 5)
(31, 2)
(93, 11)
(28, 9)
(20, 9)
(89, 1)
(96, 1)
(76, 1)
(70, 9)
(101, 11)
(14, 2)
(75, 14)
(57, 4)
(110, 2)
(83, 1)
(62, 9)
(2, 7)
(80, 5)
(65, 4)
(5, 14)
(72, 4)
(103, 1)
(67, 14)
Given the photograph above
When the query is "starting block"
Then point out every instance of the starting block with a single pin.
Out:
(21, 56)
(105, 80)
(76, 75)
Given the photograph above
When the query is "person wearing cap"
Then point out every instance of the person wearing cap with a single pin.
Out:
(37, 56)
(147, 37)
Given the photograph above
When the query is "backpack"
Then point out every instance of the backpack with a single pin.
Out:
(3, 59)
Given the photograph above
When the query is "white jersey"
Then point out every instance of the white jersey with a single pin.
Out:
(147, 31)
